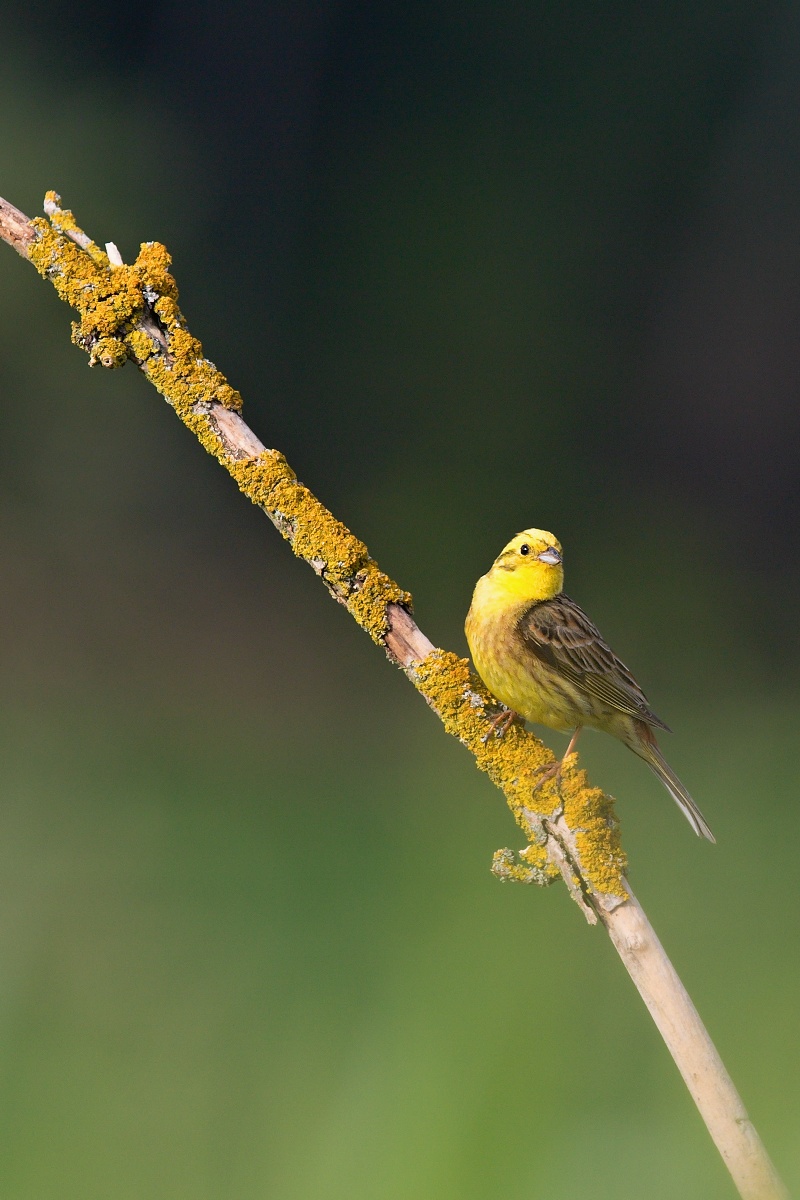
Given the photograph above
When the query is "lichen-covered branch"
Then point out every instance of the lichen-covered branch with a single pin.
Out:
(130, 312)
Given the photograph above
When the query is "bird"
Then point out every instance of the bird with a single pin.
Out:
(541, 656)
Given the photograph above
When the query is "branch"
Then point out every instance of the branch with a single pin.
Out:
(131, 313)
(15, 228)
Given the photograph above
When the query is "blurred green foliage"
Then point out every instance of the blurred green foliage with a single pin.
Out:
(472, 270)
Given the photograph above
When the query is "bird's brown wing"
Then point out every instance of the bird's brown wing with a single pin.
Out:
(561, 635)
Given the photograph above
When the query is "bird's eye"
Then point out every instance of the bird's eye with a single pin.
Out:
(524, 548)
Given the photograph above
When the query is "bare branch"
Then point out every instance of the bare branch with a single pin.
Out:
(15, 228)
(696, 1056)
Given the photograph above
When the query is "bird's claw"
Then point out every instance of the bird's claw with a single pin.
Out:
(499, 724)
(549, 771)
(554, 770)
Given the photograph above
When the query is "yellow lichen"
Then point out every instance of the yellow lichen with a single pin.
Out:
(258, 477)
(63, 220)
(109, 352)
(534, 857)
(589, 813)
(73, 273)
(141, 346)
(530, 866)
(153, 264)
(316, 536)
(513, 762)
(463, 703)
(368, 603)
(112, 303)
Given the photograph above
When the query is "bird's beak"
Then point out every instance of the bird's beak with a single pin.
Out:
(550, 556)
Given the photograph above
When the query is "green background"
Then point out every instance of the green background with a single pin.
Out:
(474, 268)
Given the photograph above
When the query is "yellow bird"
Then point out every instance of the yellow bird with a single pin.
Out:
(541, 656)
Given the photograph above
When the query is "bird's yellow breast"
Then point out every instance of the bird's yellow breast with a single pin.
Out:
(511, 673)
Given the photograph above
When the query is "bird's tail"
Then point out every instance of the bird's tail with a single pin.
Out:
(649, 751)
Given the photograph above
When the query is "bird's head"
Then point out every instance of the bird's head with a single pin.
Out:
(530, 567)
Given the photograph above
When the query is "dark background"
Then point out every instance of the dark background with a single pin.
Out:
(474, 268)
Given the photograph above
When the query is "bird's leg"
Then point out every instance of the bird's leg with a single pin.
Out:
(499, 723)
(573, 741)
(553, 770)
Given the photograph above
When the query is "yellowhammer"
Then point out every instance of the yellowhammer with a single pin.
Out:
(539, 654)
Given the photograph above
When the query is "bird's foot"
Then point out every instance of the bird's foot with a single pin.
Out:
(547, 772)
(499, 723)
(555, 769)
